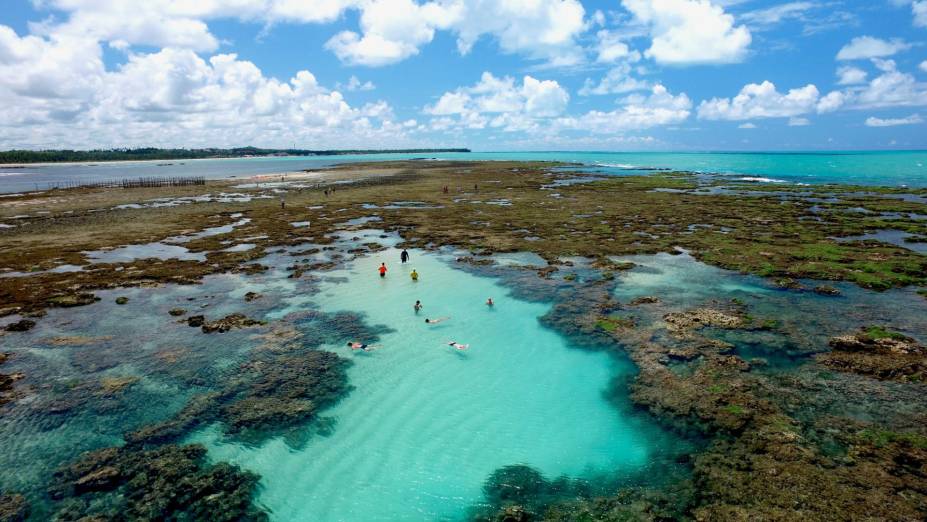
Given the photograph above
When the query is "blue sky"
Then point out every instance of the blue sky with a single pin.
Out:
(489, 75)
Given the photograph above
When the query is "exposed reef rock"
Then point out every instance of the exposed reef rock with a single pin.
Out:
(647, 299)
(71, 300)
(251, 296)
(23, 325)
(167, 483)
(122, 300)
(879, 353)
(177, 312)
(681, 323)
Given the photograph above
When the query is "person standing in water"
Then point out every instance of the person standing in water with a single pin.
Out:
(418, 306)
(382, 269)
(414, 275)
(489, 302)
(404, 256)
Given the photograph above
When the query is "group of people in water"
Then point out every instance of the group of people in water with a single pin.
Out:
(404, 258)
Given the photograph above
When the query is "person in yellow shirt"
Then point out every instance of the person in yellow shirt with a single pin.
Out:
(414, 275)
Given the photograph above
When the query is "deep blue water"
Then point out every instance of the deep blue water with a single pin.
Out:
(894, 168)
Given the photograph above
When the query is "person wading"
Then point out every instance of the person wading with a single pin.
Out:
(382, 269)
(404, 256)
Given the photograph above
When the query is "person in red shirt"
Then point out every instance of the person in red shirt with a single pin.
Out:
(382, 269)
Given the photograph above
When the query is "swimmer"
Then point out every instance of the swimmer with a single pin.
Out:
(414, 275)
(436, 321)
(457, 345)
(382, 269)
(418, 306)
(361, 346)
(489, 302)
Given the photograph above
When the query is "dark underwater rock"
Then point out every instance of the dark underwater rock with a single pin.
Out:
(646, 299)
(122, 300)
(177, 312)
(13, 508)
(229, 322)
(251, 296)
(196, 321)
(168, 483)
(23, 325)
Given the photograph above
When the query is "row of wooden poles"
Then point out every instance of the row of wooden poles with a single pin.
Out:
(128, 183)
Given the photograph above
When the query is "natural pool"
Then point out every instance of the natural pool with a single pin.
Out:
(427, 424)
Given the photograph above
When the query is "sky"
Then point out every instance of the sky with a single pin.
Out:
(491, 75)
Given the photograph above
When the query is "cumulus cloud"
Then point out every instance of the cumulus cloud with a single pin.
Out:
(761, 101)
(865, 47)
(850, 75)
(500, 103)
(686, 32)
(636, 112)
(923, 66)
(390, 30)
(618, 80)
(173, 97)
(611, 48)
(913, 119)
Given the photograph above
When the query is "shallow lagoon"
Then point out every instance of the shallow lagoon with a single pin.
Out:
(427, 424)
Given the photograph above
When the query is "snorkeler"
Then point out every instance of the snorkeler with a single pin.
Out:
(414, 275)
(457, 345)
(489, 302)
(361, 346)
(436, 321)
(382, 269)
(418, 306)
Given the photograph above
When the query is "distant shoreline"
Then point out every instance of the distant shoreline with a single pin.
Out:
(27, 158)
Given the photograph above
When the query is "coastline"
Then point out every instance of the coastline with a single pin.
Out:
(682, 276)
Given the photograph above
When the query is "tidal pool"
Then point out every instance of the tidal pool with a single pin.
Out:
(427, 424)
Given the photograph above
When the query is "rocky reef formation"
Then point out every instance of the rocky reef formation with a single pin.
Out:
(878, 352)
(167, 483)
(23, 325)
(13, 508)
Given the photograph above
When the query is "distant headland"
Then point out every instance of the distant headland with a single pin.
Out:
(151, 153)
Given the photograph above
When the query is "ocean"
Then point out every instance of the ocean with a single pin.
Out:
(877, 168)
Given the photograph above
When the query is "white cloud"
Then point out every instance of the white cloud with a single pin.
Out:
(919, 9)
(799, 122)
(892, 88)
(618, 80)
(747, 125)
(923, 66)
(173, 97)
(865, 47)
(761, 101)
(688, 32)
(354, 84)
(610, 48)
(913, 119)
(831, 102)
(849, 75)
(500, 103)
(776, 14)
(636, 112)
(390, 30)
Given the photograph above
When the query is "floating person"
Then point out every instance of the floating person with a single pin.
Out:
(436, 321)
(382, 269)
(457, 345)
(414, 275)
(490, 303)
(354, 345)
(418, 306)
(404, 256)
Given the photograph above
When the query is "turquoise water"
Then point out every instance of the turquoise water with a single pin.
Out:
(427, 424)
(895, 168)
